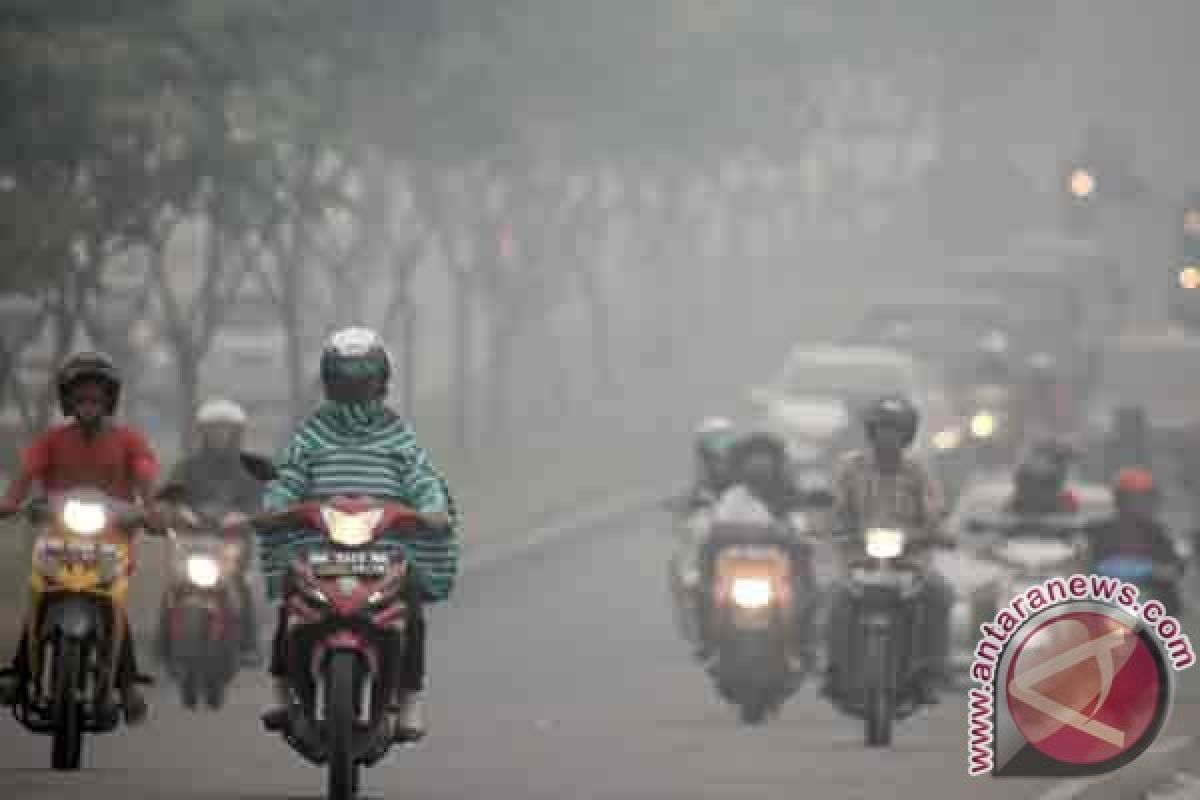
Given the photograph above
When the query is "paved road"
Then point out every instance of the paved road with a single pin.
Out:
(556, 676)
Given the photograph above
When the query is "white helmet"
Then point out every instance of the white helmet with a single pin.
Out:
(218, 410)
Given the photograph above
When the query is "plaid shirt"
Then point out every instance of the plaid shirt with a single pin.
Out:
(865, 497)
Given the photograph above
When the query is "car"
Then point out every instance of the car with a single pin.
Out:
(816, 398)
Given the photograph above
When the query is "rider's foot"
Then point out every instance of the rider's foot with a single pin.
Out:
(407, 725)
(9, 683)
(134, 705)
(275, 717)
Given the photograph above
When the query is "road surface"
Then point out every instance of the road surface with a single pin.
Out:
(555, 676)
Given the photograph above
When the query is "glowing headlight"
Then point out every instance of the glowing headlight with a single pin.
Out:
(947, 439)
(86, 519)
(351, 529)
(983, 425)
(203, 571)
(1189, 278)
(751, 592)
(884, 542)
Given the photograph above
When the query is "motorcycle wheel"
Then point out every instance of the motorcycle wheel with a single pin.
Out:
(194, 661)
(67, 750)
(755, 712)
(339, 720)
(879, 698)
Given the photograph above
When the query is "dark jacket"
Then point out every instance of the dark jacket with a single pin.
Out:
(217, 478)
(1105, 538)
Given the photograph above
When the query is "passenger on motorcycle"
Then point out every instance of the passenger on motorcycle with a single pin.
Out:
(882, 486)
(355, 445)
(713, 438)
(759, 463)
(1040, 485)
(89, 451)
(214, 476)
(1134, 531)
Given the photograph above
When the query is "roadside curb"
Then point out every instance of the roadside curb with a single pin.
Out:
(566, 526)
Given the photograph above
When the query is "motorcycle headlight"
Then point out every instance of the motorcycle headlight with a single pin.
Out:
(203, 571)
(86, 519)
(751, 592)
(351, 530)
(947, 439)
(983, 425)
(884, 542)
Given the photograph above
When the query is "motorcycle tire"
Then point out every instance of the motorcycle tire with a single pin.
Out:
(340, 716)
(879, 694)
(67, 749)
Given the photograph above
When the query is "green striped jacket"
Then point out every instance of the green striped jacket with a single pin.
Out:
(361, 449)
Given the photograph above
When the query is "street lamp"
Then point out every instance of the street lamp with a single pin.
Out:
(1081, 183)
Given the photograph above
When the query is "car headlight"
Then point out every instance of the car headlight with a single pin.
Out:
(752, 592)
(983, 425)
(947, 439)
(351, 530)
(86, 519)
(884, 542)
(203, 571)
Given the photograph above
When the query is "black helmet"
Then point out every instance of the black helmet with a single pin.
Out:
(355, 366)
(755, 442)
(1044, 465)
(88, 366)
(896, 411)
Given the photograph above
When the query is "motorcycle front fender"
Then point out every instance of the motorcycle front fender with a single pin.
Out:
(74, 618)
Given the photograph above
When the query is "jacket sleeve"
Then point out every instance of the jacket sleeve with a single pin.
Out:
(291, 486)
(140, 459)
(846, 517)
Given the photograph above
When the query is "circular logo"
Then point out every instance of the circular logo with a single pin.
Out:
(1087, 688)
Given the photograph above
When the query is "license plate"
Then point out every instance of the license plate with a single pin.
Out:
(751, 552)
(349, 564)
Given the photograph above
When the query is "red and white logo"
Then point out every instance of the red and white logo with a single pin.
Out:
(1078, 687)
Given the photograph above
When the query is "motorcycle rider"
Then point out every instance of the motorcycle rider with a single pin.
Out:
(759, 463)
(881, 485)
(1040, 484)
(713, 438)
(214, 476)
(355, 445)
(1134, 530)
(90, 451)
(1129, 444)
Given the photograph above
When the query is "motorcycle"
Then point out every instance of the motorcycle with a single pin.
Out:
(877, 684)
(1030, 549)
(80, 587)
(1154, 581)
(201, 615)
(343, 599)
(754, 609)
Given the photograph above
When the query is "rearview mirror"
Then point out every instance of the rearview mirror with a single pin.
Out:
(259, 467)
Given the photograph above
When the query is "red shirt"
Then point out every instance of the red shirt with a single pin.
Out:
(111, 462)
(63, 458)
